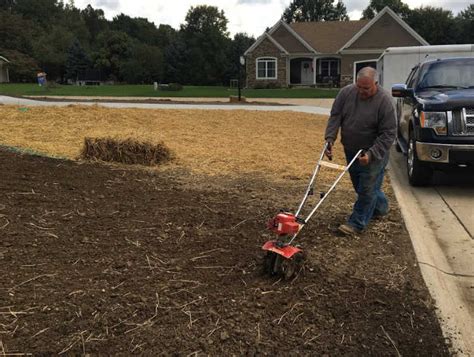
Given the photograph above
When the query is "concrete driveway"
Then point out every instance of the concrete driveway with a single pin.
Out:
(440, 220)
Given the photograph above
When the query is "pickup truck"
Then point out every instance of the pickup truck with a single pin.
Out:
(435, 112)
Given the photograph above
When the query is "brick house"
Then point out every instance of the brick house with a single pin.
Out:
(325, 53)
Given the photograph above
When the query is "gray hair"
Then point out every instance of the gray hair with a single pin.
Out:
(368, 72)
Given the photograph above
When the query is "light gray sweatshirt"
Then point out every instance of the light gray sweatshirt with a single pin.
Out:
(368, 124)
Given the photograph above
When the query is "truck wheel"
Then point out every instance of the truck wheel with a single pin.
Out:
(419, 173)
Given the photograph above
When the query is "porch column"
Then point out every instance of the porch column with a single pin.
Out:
(315, 70)
(288, 71)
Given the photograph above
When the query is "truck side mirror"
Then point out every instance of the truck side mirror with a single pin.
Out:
(401, 91)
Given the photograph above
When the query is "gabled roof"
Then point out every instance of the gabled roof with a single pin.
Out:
(263, 37)
(268, 35)
(328, 36)
(4, 59)
(397, 18)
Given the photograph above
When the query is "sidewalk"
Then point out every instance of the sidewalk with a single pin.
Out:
(316, 102)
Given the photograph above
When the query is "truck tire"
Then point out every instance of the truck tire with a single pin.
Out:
(419, 173)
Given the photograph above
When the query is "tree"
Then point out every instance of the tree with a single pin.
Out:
(22, 67)
(434, 24)
(375, 6)
(94, 20)
(315, 10)
(176, 61)
(237, 47)
(50, 49)
(145, 64)
(114, 51)
(465, 20)
(77, 61)
(43, 12)
(205, 37)
(137, 27)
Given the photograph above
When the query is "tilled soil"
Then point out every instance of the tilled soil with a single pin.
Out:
(105, 259)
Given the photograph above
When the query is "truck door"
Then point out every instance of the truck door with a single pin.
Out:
(406, 106)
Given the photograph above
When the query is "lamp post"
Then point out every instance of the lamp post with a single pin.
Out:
(241, 63)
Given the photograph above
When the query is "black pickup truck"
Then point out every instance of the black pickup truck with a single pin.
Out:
(436, 118)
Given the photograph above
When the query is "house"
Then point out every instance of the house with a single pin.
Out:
(4, 76)
(325, 53)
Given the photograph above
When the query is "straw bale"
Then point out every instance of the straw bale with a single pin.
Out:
(127, 151)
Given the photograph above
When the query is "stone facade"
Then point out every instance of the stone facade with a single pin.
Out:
(266, 49)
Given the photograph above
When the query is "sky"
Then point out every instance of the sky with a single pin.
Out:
(249, 16)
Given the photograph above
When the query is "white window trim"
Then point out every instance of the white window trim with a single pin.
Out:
(256, 68)
(355, 66)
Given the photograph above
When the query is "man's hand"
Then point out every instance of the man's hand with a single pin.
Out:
(328, 151)
(364, 159)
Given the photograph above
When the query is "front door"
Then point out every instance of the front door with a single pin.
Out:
(307, 72)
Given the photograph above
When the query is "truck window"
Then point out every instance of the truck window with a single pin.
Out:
(457, 73)
(410, 76)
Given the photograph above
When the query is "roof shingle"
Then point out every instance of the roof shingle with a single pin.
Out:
(328, 36)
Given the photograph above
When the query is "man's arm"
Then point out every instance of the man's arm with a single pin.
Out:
(387, 131)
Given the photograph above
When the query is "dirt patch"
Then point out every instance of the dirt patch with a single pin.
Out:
(103, 259)
(220, 101)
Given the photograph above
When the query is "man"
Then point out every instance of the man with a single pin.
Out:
(366, 117)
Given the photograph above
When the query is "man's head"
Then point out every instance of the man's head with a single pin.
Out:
(367, 82)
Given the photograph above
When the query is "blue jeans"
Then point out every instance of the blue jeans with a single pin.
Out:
(367, 182)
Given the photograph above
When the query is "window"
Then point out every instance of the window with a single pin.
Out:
(329, 67)
(266, 68)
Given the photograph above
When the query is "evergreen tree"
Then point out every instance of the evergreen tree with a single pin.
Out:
(77, 61)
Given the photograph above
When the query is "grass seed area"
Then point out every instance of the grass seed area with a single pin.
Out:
(108, 259)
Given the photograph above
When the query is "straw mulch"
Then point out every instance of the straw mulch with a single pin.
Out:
(211, 142)
(125, 151)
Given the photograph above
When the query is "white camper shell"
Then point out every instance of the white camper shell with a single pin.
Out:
(395, 63)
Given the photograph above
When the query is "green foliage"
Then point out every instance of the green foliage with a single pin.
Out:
(145, 64)
(236, 48)
(205, 40)
(22, 68)
(375, 6)
(315, 10)
(114, 50)
(77, 61)
(435, 25)
(465, 21)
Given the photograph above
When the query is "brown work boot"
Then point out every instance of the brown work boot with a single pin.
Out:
(348, 230)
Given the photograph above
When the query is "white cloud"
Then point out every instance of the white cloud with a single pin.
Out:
(250, 16)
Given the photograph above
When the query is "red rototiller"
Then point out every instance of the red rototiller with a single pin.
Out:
(281, 256)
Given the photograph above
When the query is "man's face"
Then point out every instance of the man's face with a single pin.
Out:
(367, 87)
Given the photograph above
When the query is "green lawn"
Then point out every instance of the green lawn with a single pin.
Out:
(147, 91)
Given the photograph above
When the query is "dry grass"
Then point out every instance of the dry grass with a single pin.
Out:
(278, 144)
(125, 151)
